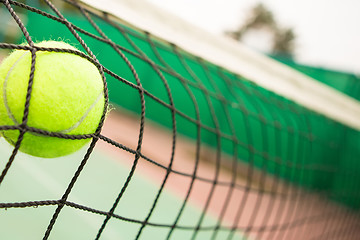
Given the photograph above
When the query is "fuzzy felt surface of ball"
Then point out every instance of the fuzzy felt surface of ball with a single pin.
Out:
(67, 97)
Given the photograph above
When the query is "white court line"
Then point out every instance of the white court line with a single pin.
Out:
(53, 186)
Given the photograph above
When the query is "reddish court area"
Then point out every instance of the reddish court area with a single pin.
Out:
(272, 210)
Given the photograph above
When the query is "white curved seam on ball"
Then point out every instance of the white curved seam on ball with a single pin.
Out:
(12, 117)
(84, 115)
(8, 110)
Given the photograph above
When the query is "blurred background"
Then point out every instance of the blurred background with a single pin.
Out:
(325, 33)
(319, 38)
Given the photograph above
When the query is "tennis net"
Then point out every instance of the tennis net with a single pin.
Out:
(282, 148)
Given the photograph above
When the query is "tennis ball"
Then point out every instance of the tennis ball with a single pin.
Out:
(67, 97)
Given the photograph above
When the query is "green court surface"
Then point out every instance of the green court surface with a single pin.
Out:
(36, 179)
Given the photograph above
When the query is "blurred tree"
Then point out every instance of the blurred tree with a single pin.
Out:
(262, 19)
(284, 43)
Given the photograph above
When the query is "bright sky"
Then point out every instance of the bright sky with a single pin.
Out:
(328, 31)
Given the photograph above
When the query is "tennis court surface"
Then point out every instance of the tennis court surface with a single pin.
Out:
(204, 138)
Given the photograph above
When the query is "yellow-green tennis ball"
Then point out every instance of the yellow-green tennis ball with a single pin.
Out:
(67, 97)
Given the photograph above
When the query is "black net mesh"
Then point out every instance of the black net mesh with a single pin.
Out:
(260, 166)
